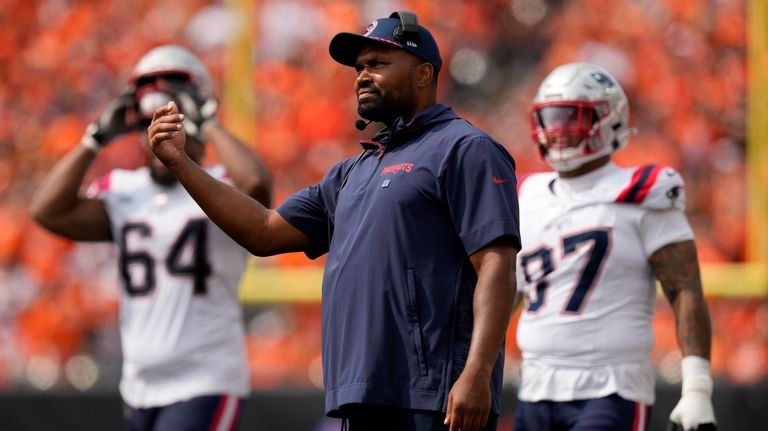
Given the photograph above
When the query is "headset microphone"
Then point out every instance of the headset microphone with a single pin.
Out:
(361, 124)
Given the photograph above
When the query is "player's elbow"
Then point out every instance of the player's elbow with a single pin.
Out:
(259, 188)
(49, 222)
(41, 213)
(262, 193)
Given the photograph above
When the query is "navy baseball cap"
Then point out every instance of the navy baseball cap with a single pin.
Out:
(400, 30)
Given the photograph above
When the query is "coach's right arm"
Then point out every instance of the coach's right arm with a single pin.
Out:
(261, 231)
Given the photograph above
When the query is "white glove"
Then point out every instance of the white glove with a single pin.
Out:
(695, 405)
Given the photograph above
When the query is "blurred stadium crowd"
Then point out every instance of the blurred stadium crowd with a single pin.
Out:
(682, 63)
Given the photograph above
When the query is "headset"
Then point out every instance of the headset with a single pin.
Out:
(409, 26)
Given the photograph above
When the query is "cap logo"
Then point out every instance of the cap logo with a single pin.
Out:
(370, 28)
(411, 44)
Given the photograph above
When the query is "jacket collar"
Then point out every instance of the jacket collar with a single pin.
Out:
(389, 137)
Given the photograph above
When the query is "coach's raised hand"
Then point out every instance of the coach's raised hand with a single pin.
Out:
(167, 137)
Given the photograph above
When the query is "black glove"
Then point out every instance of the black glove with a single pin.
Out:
(197, 110)
(117, 119)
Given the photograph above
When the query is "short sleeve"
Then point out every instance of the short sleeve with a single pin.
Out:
(663, 227)
(311, 211)
(480, 190)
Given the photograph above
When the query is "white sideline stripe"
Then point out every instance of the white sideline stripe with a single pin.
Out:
(227, 414)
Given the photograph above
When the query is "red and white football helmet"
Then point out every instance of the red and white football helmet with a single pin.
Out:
(580, 113)
(170, 63)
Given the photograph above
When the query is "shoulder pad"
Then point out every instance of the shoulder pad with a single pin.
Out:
(656, 187)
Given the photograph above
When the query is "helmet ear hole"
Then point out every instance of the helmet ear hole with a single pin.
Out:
(616, 144)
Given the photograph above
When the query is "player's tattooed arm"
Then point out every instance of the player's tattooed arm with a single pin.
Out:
(677, 268)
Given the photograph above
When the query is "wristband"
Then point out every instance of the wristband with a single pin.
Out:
(696, 375)
(90, 143)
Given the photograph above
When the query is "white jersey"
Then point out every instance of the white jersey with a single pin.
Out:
(586, 331)
(180, 317)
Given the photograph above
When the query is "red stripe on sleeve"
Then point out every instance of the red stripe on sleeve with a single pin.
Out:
(646, 187)
(642, 181)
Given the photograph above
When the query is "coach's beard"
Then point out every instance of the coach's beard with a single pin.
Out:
(385, 108)
(374, 110)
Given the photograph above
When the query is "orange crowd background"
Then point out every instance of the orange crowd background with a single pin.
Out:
(681, 62)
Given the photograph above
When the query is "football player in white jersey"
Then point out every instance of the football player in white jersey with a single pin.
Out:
(595, 237)
(184, 360)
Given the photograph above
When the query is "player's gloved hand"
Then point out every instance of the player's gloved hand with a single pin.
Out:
(197, 110)
(117, 119)
(694, 410)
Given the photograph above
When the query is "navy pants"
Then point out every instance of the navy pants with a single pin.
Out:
(213, 412)
(611, 413)
(373, 418)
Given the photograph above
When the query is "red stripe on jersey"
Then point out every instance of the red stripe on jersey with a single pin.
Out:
(643, 180)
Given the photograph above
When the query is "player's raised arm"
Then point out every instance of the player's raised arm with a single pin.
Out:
(260, 230)
(246, 170)
(58, 205)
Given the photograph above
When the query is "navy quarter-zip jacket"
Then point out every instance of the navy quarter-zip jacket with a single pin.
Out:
(399, 223)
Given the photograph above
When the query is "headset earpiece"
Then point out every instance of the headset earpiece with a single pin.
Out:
(409, 25)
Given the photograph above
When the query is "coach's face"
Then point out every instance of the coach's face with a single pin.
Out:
(385, 83)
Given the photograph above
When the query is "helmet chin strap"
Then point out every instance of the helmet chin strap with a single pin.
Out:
(568, 165)
(572, 163)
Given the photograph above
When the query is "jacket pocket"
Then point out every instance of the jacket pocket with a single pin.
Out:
(415, 321)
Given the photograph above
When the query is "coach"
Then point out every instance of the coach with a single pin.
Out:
(421, 231)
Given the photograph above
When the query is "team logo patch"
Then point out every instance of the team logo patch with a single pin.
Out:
(370, 28)
(400, 167)
(674, 193)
